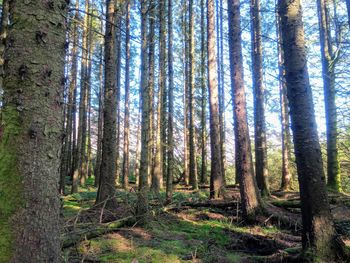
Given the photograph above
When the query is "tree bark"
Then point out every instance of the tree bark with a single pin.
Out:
(106, 189)
(286, 182)
(259, 101)
(318, 229)
(216, 178)
(204, 177)
(250, 197)
(192, 138)
(67, 150)
(328, 75)
(97, 171)
(160, 138)
(30, 143)
(170, 173)
(146, 142)
(125, 173)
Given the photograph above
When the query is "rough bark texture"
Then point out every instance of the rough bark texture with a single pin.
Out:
(204, 177)
(250, 196)
(106, 189)
(30, 145)
(192, 134)
(216, 178)
(328, 74)
(318, 228)
(142, 202)
(125, 173)
(286, 182)
(169, 181)
(259, 102)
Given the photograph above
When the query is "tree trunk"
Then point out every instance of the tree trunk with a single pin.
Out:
(97, 171)
(259, 106)
(160, 139)
(169, 181)
(216, 178)
(106, 189)
(348, 9)
(67, 150)
(118, 21)
(79, 173)
(204, 177)
(318, 228)
(142, 202)
(286, 182)
(192, 137)
(31, 139)
(125, 173)
(328, 74)
(250, 196)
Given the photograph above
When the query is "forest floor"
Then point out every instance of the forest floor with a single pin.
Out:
(191, 229)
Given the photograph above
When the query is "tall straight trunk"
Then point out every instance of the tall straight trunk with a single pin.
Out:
(97, 171)
(170, 173)
(318, 229)
(125, 173)
(31, 138)
(192, 133)
(204, 177)
(106, 189)
(185, 94)
(221, 84)
(259, 101)
(216, 178)
(151, 79)
(286, 182)
(161, 122)
(138, 151)
(88, 152)
(328, 74)
(142, 202)
(79, 173)
(67, 150)
(250, 196)
(118, 22)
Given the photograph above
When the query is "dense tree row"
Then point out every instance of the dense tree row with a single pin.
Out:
(142, 95)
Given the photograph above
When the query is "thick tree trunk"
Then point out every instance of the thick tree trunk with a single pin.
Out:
(106, 189)
(146, 142)
(259, 103)
(191, 99)
(31, 138)
(328, 74)
(204, 177)
(286, 182)
(318, 228)
(216, 178)
(125, 173)
(250, 196)
(169, 181)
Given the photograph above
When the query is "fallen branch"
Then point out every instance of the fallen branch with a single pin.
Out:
(71, 238)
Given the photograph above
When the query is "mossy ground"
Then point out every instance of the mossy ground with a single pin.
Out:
(181, 234)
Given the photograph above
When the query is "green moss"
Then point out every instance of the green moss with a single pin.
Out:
(11, 188)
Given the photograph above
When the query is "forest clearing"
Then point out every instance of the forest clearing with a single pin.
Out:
(151, 131)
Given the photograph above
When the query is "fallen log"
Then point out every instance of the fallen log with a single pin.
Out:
(71, 238)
